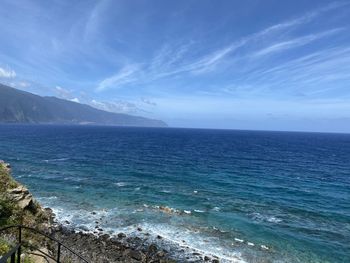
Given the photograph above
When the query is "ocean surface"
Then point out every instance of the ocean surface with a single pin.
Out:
(248, 196)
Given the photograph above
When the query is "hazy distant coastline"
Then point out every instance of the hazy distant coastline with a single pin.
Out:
(18, 106)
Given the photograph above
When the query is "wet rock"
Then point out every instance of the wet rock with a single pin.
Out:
(152, 248)
(159, 237)
(121, 235)
(161, 254)
(215, 261)
(84, 228)
(139, 229)
(206, 258)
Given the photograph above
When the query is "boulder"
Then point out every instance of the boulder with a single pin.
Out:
(135, 254)
(26, 202)
(22, 196)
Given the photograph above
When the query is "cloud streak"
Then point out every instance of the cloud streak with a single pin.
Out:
(7, 73)
(181, 60)
(125, 76)
(296, 42)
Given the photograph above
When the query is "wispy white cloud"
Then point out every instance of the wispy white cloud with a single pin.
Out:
(7, 73)
(124, 76)
(179, 60)
(309, 16)
(296, 42)
(118, 106)
(313, 74)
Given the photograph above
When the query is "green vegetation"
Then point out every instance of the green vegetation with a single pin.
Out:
(23, 107)
(4, 247)
(12, 214)
(9, 211)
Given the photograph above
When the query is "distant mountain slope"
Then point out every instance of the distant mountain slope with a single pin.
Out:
(18, 106)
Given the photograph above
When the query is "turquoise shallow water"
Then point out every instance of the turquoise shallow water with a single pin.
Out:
(256, 196)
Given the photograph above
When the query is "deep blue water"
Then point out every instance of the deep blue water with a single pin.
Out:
(287, 191)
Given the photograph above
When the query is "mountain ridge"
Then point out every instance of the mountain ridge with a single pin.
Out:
(17, 106)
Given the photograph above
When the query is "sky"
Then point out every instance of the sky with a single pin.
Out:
(253, 64)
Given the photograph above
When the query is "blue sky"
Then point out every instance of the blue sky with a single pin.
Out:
(271, 65)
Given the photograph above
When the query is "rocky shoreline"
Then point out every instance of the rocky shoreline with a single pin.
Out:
(121, 248)
(93, 244)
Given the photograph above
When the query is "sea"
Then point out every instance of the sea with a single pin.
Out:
(244, 196)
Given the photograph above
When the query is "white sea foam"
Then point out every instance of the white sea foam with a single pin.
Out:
(56, 160)
(267, 218)
(193, 242)
(194, 239)
(264, 247)
(120, 184)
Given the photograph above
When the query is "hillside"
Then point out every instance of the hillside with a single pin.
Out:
(18, 106)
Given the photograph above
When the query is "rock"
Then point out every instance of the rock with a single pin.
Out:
(121, 235)
(19, 190)
(94, 213)
(23, 198)
(159, 237)
(84, 228)
(105, 237)
(139, 229)
(152, 248)
(215, 261)
(26, 202)
(161, 253)
(135, 254)
(206, 258)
